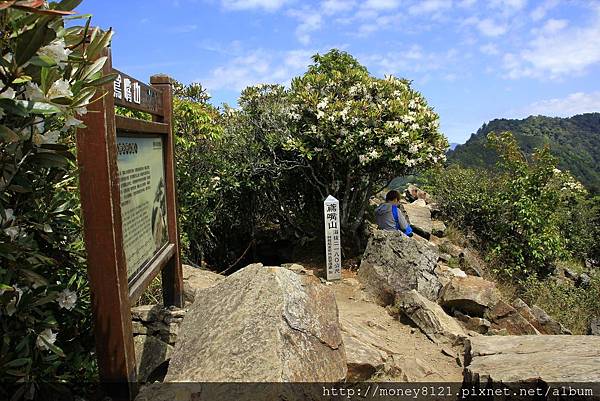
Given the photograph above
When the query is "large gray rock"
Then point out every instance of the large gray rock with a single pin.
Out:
(430, 317)
(419, 216)
(195, 279)
(549, 359)
(471, 295)
(150, 353)
(393, 263)
(261, 324)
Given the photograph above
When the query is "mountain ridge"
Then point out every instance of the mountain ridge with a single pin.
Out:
(574, 140)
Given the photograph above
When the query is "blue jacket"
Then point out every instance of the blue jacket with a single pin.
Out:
(384, 214)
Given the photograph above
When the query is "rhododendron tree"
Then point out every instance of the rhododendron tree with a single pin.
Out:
(356, 132)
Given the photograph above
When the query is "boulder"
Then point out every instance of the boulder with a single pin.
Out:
(430, 317)
(438, 228)
(445, 273)
(594, 327)
(363, 359)
(413, 193)
(195, 279)
(503, 316)
(470, 262)
(476, 324)
(150, 353)
(471, 295)
(546, 323)
(537, 359)
(393, 263)
(261, 324)
(419, 216)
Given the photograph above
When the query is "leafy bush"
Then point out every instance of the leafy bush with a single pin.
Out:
(526, 213)
(572, 306)
(48, 77)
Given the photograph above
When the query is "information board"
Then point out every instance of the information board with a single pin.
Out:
(331, 208)
(140, 161)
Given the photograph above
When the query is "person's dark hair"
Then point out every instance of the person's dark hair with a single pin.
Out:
(392, 195)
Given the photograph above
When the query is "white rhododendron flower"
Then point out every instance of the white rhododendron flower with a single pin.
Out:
(60, 88)
(48, 336)
(9, 215)
(66, 299)
(9, 93)
(33, 92)
(57, 51)
(12, 232)
(50, 137)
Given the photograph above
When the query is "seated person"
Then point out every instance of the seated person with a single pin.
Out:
(389, 217)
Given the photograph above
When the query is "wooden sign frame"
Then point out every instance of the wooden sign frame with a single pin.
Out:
(112, 292)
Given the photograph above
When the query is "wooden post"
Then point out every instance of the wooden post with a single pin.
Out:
(103, 234)
(172, 274)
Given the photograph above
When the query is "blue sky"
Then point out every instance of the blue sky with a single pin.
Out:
(474, 60)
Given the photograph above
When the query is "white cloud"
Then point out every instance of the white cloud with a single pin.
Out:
(489, 27)
(508, 4)
(554, 25)
(331, 7)
(574, 103)
(414, 60)
(429, 6)
(268, 5)
(183, 28)
(554, 53)
(466, 3)
(540, 11)
(489, 49)
(258, 66)
(381, 4)
(309, 21)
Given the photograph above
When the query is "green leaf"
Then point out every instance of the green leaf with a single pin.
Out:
(15, 363)
(104, 80)
(50, 160)
(39, 107)
(43, 61)
(21, 80)
(31, 41)
(53, 347)
(12, 107)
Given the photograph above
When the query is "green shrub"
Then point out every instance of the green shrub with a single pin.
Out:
(526, 213)
(570, 305)
(48, 77)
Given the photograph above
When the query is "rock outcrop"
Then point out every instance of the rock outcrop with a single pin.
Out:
(393, 263)
(471, 295)
(505, 318)
(195, 279)
(548, 359)
(261, 324)
(429, 317)
(419, 216)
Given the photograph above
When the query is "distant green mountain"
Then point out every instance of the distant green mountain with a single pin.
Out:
(575, 141)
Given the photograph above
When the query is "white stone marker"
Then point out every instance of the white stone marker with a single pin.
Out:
(333, 250)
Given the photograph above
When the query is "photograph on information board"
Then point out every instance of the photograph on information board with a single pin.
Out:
(143, 201)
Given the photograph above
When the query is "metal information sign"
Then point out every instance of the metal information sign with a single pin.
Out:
(331, 208)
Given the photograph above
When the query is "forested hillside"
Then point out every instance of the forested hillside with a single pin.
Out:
(575, 141)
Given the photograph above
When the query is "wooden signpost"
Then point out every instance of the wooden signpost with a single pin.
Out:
(331, 209)
(127, 186)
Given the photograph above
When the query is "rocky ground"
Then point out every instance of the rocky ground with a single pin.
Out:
(417, 310)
